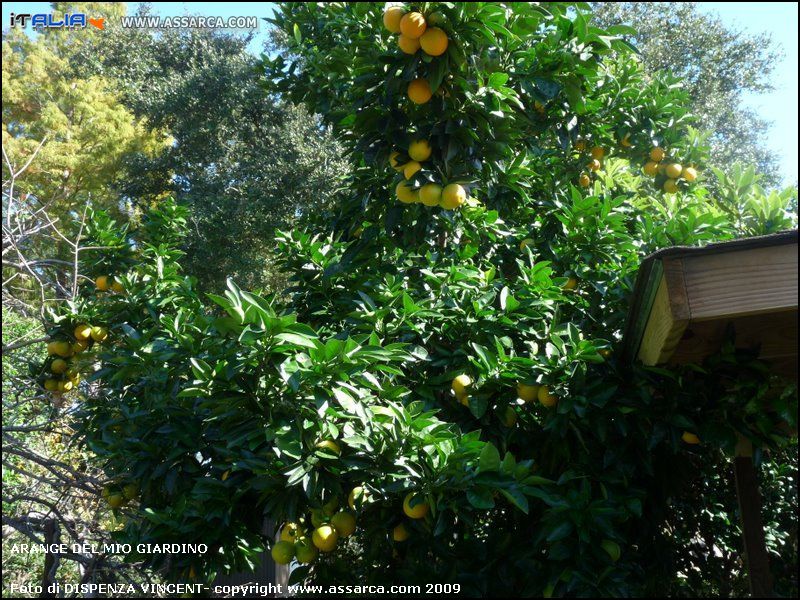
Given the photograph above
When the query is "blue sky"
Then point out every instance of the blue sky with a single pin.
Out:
(779, 19)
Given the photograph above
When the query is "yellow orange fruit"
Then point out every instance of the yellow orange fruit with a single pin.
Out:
(420, 150)
(394, 163)
(453, 196)
(570, 284)
(103, 284)
(283, 552)
(594, 165)
(400, 533)
(358, 495)
(650, 168)
(673, 170)
(325, 538)
(405, 194)
(460, 385)
(690, 438)
(670, 186)
(419, 91)
(584, 180)
(527, 392)
(65, 386)
(408, 45)
(305, 551)
(391, 18)
(82, 332)
(291, 532)
(597, 153)
(411, 169)
(434, 41)
(99, 333)
(115, 500)
(58, 366)
(546, 398)
(60, 348)
(430, 194)
(689, 174)
(412, 25)
(117, 287)
(418, 511)
(79, 347)
(344, 523)
(657, 154)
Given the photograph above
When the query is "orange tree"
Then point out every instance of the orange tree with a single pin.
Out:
(439, 400)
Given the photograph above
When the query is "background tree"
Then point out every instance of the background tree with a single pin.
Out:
(717, 64)
(244, 164)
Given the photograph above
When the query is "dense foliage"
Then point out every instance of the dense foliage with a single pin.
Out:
(213, 412)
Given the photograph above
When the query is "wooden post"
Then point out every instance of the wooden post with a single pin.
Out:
(755, 547)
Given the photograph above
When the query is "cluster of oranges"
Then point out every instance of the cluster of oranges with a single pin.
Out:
(117, 496)
(63, 373)
(673, 170)
(416, 33)
(107, 283)
(527, 392)
(597, 153)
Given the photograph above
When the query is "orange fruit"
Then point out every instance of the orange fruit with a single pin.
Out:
(418, 511)
(51, 385)
(670, 186)
(407, 44)
(650, 168)
(690, 438)
(673, 170)
(546, 398)
(434, 41)
(420, 150)
(527, 392)
(571, 284)
(689, 174)
(344, 523)
(597, 153)
(453, 196)
(283, 552)
(594, 165)
(411, 169)
(580, 144)
(99, 334)
(419, 91)
(325, 538)
(102, 283)
(412, 25)
(657, 154)
(584, 180)
(391, 18)
(405, 194)
(82, 332)
(58, 366)
(400, 533)
(430, 194)
(394, 163)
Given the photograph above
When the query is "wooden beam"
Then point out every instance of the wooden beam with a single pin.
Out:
(755, 547)
(668, 316)
(746, 282)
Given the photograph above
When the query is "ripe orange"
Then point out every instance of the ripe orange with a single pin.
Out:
(657, 154)
(394, 163)
(400, 533)
(82, 332)
(102, 283)
(65, 386)
(99, 334)
(430, 194)
(305, 551)
(594, 165)
(453, 196)
(527, 392)
(418, 511)
(690, 438)
(434, 41)
(419, 91)
(405, 194)
(584, 180)
(650, 168)
(690, 174)
(419, 150)
(673, 170)
(407, 44)
(325, 538)
(546, 398)
(597, 153)
(411, 169)
(571, 284)
(412, 25)
(61, 348)
(670, 186)
(344, 523)
(283, 552)
(460, 385)
(358, 496)
(58, 366)
(79, 347)
(391, 18)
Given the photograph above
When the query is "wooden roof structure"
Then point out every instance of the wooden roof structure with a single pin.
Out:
(686, 298)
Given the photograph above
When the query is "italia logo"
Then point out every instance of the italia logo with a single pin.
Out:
(50, 21)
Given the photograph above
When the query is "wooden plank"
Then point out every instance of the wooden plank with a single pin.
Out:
(748, 282)
(668, 318)
(752, 529)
